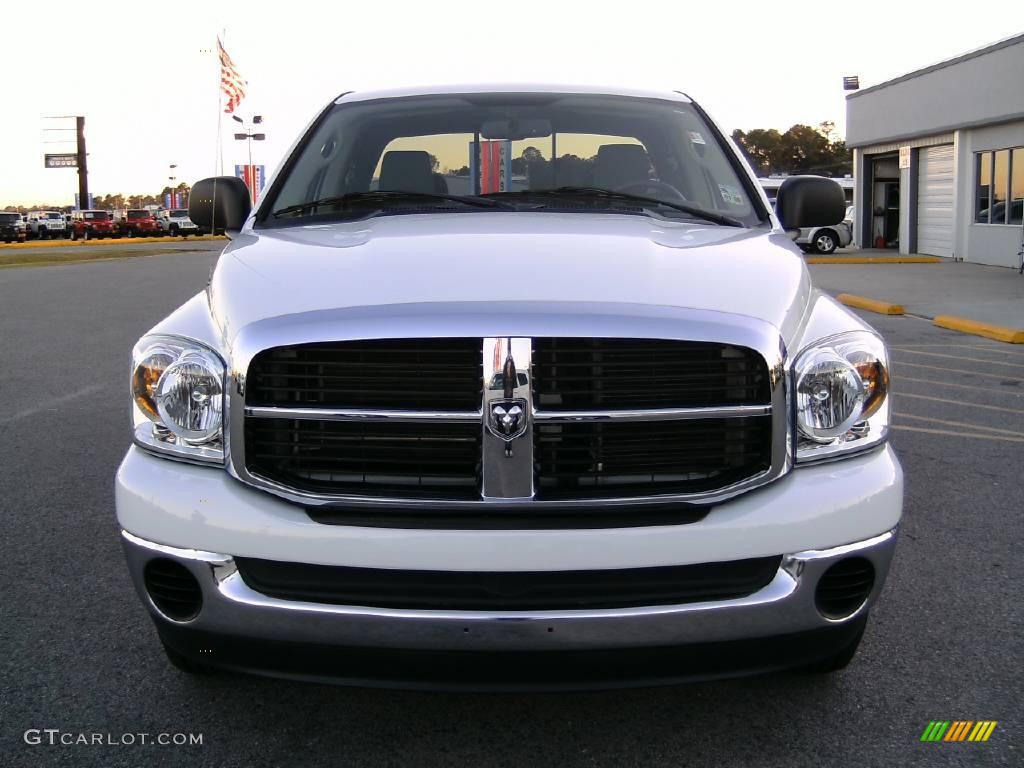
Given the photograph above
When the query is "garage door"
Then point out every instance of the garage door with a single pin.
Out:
(935, 201)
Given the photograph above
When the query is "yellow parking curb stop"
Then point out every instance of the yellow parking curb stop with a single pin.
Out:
(871, 305)
(975, 328)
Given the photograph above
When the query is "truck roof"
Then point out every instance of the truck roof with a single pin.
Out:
(476, 88)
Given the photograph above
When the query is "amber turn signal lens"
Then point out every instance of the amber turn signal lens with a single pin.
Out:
(145, 378)
(876, 384)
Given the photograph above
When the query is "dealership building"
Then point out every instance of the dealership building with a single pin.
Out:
(938, 158)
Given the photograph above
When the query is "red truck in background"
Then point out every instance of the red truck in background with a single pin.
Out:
(89, 224)
(139, 222)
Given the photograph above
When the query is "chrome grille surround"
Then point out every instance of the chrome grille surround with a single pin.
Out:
(505, 480)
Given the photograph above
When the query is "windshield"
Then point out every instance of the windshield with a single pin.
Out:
(9, 218)
(182, 214)
(541, 151)
(139, 214)
(96, 215)
(50, 216)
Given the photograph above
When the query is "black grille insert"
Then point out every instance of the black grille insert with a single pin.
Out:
(401, 374)
(374, 458)
(173, 589)
(508, 591)
(616, 374)
(603, 459)
(844, 587)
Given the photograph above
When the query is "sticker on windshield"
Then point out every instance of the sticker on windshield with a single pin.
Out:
(731, 195)
(696, 138)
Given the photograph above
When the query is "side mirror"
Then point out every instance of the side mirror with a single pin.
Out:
(809, 201)
(219, 203)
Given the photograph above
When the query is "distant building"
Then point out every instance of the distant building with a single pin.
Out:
(938, 157)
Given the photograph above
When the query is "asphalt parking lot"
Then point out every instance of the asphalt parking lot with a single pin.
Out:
(81, 655)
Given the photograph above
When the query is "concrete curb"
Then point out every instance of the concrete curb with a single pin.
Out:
(873, 260)
(975, 328)
(108, 241)
(871, 305)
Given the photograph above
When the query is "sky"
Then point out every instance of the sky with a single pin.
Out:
(146, 80)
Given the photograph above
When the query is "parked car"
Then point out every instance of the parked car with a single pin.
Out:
(12, 228)
(550, 436)
(89, 224)
(825, 239)
(139, 222)
(45, 224)
(176, 222)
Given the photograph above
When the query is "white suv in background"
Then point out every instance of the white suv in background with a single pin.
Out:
(44, 224)
(825, 239)
(176, 222)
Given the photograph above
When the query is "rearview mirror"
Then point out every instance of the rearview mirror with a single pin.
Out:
(219, 203)
(515, 130)
(809, 201)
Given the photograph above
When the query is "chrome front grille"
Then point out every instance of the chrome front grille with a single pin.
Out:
(600, 459)
(545, 422)
(602, 374)
(368, 457)
(417, 374)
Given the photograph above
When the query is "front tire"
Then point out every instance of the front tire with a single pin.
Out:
(173, 231)
(825, 242)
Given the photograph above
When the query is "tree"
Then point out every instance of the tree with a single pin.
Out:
(763, 148)
(801, 149)
(109, 201)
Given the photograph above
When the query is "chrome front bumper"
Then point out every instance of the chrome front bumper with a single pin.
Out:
(231, 608)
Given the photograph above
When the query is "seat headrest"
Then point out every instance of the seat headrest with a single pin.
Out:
(619, 164)
(406, 171)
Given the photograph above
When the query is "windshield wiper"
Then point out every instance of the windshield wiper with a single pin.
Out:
(387, 197)
(607, 194)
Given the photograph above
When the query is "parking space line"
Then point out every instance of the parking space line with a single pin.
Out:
(901, 395)
(965, 359)
(51, 405)
(950, 423)
(961, 386)
(958, 434)
(1000, 376)
(987, 347)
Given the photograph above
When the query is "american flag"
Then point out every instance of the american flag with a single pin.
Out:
(231, 81)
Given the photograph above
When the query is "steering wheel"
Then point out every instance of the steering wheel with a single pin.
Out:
(641, 187)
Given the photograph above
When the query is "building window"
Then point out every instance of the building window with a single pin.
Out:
(1017, 186)
(984, 176)
(999, 195)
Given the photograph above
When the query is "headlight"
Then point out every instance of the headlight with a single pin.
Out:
(178, 398)
(841, 387)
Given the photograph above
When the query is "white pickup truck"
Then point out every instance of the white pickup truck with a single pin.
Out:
(594, 428)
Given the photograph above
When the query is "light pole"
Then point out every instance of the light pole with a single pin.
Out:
(250, 137)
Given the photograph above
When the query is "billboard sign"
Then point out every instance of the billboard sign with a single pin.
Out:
(63, 160)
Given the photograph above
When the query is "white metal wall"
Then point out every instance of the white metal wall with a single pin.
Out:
(935, 188)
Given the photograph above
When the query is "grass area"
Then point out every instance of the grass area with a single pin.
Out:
(29, 258)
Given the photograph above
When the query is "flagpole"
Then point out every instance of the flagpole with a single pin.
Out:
(218, 155)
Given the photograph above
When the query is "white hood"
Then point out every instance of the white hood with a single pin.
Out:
(493, 257)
